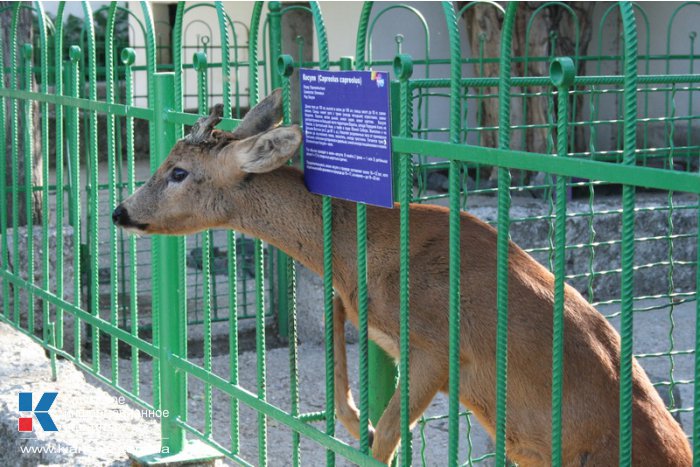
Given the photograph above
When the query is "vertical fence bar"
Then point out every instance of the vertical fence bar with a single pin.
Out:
(128, 57)
(230, 235)
(260, 348)
(233, 337)
(168, 278)
(3, 189)
(259, 259)
(285, 68)
(276, 81)
(503, 238)
(112, 160)
(363, 338)
(177, 55)
(327, 216)
(381, 368)
(93, 185)
(48, 328)
(455, 231)
(253, 70)
(150, 59)
(74, 155)
(60, 188)
(14, 84)
(669, 241)
(275, 17)
(696, 386)
(403, 69)
(562, 72)
(260, 338)
(28, 128)
(201, 66)
(627, 248)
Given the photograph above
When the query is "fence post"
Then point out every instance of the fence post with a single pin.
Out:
(168, 278)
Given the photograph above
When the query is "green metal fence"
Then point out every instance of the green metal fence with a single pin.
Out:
(599, 164)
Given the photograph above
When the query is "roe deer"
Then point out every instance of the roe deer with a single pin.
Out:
(240, 180)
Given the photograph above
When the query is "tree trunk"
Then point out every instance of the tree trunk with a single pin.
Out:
(484, 24)
(566, 47)
(552, 27)
(24, 36)
(297, 36)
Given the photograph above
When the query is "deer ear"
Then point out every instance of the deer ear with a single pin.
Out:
(266, 152)
(261, 118)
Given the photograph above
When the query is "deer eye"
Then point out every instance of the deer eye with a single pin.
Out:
(178, 174)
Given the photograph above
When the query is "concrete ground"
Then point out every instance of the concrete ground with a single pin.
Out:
(103, 429)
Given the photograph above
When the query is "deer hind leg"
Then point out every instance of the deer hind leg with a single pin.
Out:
(345, 407)
(426, 376)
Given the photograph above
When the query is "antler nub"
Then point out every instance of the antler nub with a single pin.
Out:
(201, 130)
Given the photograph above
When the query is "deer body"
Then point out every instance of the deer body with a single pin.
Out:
(274, 205)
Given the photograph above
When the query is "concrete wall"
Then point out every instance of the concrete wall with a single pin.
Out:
(658, 35)
(401, 28)
(201, 32)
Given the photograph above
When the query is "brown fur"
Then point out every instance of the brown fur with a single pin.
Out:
(275, 206)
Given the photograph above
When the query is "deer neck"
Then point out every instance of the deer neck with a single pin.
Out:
(277, 208)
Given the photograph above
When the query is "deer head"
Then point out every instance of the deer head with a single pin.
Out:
(197, 186)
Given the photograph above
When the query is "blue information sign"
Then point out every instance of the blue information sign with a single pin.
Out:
(347, 135)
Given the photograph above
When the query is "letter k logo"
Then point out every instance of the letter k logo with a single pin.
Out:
(41, 411)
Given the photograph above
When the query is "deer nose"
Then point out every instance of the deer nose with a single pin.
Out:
(120, 216)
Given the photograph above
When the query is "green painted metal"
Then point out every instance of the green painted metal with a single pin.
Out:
(562, 73)
(504, 181)
(628, 205)
(128, 56)
(74, 148)
(90, 57)
(112, 174)
(4, 252)
(696, 391)
(327, 216)
(454, 170)
(283, 261)
(200, 66)
(168, 278)
(403, 68)
(59, 163)
(603, 171)
(288, 310)
(111, 312)
(28, 124)
(381, 369)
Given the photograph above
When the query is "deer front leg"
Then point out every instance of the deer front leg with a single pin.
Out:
(427, 374)
(345, 407)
